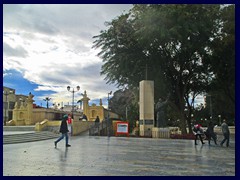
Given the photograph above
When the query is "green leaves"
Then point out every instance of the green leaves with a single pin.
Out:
(173, 44)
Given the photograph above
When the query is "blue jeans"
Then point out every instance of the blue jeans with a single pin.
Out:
(61, 137)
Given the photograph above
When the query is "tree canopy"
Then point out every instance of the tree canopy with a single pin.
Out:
(176, 46)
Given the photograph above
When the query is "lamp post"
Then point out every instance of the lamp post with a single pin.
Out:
(211, 113)
(73, 91)
(47, 99)
(126, 112)
(211, 107)
(219, 116)
(6, 107)
(108, 123)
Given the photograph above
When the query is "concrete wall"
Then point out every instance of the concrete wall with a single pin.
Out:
(80, 126)
(77, 126)
(161, 132)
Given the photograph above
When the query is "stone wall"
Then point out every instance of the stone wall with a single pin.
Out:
(81, 126)
(161, 132)
(77, 126)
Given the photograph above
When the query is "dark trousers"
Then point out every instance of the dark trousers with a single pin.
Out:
(213, 136)
(200, 137)
(226, 137)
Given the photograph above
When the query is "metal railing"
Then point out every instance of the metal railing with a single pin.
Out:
(101, 129)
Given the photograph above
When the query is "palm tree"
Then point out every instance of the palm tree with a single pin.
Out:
(47, 99)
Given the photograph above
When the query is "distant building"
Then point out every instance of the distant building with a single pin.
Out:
(20, 110)
(9, 100)
(68, 108)
(96, 110)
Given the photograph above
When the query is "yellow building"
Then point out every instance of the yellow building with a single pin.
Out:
(93, 111)
(9, 100)
(24, 113)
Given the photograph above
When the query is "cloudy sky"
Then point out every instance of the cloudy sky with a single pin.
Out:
(49, 47)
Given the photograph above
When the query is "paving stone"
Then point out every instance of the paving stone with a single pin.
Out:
(118, 156)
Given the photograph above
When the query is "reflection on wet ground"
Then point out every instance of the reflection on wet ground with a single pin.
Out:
(118, 156)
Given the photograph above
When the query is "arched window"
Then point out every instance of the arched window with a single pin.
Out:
(94, 114)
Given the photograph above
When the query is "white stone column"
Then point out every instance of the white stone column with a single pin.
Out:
(146, 108)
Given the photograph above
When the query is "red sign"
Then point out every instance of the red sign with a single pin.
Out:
(122, 128)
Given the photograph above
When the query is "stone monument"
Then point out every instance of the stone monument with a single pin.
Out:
(146, 108)
(161, 130)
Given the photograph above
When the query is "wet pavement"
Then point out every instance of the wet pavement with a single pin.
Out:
(16, 132)
(118, 156)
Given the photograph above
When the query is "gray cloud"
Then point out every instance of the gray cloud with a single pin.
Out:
(71, 20)
(77, 22)
(60, 31)
(45, 27)
(17, 52)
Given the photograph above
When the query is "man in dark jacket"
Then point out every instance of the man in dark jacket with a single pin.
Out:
(210, 133)
(64, 131)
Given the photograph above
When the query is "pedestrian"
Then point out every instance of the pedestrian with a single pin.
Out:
(226, 133)
(64, 131)
(210, 133)
(198, 131)
(97, 120)
(69, 123)
(84, 118)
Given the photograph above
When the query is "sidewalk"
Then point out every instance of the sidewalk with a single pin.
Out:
(118, 156)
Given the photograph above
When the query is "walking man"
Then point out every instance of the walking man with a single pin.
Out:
(64, 131)
(210, 133)
(226, 133)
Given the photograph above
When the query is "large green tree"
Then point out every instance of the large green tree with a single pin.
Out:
(222, 89)
(124, 103)
(170, 44)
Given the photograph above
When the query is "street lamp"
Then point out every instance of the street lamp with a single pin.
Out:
(73, 91)
(6, 107)
(219, 116)
(108, 114)
(47, 99)
(210, 105)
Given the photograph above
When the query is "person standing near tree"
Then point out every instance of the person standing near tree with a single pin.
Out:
(64, 131)
(226, 133)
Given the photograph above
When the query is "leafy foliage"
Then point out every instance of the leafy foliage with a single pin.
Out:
(176, 46)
